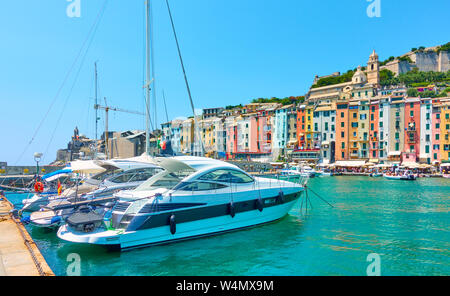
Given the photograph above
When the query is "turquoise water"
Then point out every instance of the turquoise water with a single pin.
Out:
(406, 223)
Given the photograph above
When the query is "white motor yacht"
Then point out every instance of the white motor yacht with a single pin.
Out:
(193, 197)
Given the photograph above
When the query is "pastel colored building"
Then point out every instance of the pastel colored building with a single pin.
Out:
(353, 110)
(426, 145)
(445, 132)
(411, 150)
(374, 135)
(342, 131)
(397, 129)
(384, 128)
(436, 133)
(363, 129)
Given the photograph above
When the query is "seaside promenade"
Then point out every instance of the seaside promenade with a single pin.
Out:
(19, 255)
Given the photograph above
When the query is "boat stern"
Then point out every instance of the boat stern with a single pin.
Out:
(98, 237)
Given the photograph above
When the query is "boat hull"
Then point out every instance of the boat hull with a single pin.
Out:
(401, 178)
(184, 231)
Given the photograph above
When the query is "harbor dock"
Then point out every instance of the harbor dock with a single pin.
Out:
(19, 255)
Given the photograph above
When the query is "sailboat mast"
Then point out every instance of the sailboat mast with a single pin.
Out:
(148, 83)
(96, 102)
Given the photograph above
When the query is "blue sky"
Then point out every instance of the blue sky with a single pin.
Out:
(234, 51)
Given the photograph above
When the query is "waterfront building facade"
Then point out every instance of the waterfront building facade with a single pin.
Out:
(354, 120)
(445, 131)
(426, 109)
(412, 117)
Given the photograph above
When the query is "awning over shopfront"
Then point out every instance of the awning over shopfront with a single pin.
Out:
(350, 164)
(411, 165)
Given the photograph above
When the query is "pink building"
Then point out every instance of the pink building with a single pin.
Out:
(412, 130)
(264, 134)
(435, 133)
(231, 145)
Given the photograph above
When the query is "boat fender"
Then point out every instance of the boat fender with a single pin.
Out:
(55, 220)
(232, 209)
(39, 187)
(25, 220)
(280, 197)
(259, 204)
(173, 224)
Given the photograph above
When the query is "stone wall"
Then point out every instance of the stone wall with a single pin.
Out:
(444, 61)
(424, 61)
(427, 61)
(30, 170)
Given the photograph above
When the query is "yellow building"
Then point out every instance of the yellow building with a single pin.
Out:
(445, 132)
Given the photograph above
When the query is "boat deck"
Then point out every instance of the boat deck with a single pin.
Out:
(19, 255)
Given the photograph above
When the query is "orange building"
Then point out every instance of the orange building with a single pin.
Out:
(353, 123)
(342, 130)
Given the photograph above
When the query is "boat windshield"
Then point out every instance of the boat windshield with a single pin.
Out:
(165, 180)
(106, 174)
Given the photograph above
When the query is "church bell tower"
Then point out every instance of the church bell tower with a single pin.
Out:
(373, 69)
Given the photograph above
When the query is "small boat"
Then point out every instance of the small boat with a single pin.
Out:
(376, 175)
(446, 176)
(401, 177)
(193, 197)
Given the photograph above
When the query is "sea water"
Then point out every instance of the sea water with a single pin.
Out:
(405, 223)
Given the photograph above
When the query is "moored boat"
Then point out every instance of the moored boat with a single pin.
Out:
(400, 177)
(193, 197)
